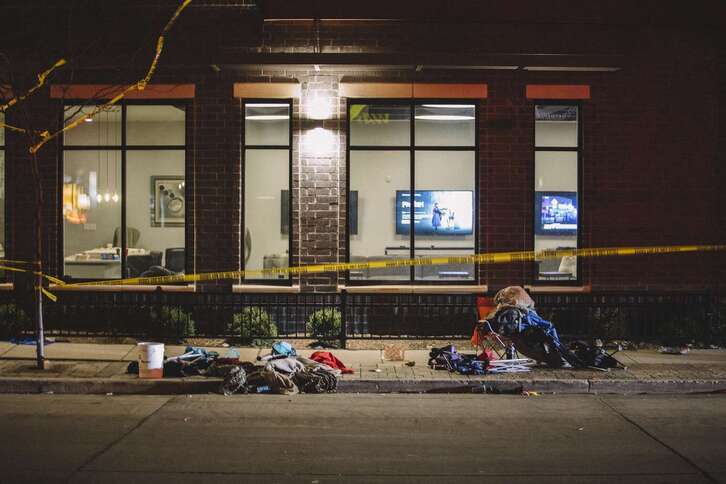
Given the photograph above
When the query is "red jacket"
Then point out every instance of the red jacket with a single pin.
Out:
(328, 358)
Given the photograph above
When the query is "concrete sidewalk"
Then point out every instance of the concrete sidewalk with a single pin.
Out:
(101, 368)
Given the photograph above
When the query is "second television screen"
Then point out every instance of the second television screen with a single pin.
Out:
(435, 212)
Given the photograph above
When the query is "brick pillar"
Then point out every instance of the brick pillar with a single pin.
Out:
(506, 181)
(319, 179)
(213, 161)
(39, 113)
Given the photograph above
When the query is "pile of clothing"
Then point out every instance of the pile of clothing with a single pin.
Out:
(283, 371)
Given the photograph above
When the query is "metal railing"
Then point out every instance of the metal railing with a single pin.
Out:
(340, 316)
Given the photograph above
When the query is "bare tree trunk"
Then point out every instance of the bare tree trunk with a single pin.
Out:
(38, 267)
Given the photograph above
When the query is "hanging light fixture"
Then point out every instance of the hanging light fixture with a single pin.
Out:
(106, 194)
(99, 197)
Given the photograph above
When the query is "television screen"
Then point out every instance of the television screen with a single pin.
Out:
(435, 212)
(555, 213)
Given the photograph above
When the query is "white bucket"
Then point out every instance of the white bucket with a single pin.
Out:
(151, 360)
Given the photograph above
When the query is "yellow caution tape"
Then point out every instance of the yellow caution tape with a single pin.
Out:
(487, 258)
(49, 294)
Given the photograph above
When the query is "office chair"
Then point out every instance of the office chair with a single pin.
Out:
(132, 237)
(138, 264)
(174, 259)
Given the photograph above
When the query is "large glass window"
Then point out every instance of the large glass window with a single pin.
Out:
(412, 165)
(124, 198)
(556, 189)
(267, 201)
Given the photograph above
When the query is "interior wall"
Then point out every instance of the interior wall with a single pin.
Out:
(266, 175)
(140, 167)
(377, 175)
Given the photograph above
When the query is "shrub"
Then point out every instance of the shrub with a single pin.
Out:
(253, 322)
(324, 323)
(172, 321)
(13, 321)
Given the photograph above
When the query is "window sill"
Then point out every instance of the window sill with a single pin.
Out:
(415, 289)
(558, 289)
(264, 289)
(122, 288)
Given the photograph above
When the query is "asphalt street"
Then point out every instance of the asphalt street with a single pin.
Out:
(362, 438)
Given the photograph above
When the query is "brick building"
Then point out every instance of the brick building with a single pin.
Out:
(279, 133)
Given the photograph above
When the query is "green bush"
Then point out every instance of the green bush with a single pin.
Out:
(172, 321)
(253, 322)
(324, 324)
(13, 321)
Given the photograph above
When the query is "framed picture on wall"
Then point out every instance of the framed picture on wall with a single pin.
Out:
(168, 202)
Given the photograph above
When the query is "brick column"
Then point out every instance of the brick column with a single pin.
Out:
(319, 179)
(505, 181)
(213, 161)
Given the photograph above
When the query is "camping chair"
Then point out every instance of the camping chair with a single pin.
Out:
(485, 338)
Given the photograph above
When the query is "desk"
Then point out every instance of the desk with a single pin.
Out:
(92, 269)
(556, 276)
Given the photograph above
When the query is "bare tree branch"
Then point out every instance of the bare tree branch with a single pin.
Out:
(140, 85)
(41, 81)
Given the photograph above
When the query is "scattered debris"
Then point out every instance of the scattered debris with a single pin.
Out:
(393, 352)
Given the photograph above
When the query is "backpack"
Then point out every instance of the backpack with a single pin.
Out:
(444, 358)
(283, 348)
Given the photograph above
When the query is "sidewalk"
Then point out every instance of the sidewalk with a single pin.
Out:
(101, 368)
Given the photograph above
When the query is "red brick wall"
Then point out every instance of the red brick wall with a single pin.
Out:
(653, 157)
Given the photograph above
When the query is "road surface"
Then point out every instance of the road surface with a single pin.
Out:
(362, 438)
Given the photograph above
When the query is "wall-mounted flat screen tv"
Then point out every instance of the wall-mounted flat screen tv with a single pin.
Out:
(435, 212)
(555, 213)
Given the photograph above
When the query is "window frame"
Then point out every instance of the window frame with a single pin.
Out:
(576, 149)
(412, 103)
(243, 154)
(123, 148)
(6, 211)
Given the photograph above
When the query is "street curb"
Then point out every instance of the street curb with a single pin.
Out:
(657, 386)
(180, 386)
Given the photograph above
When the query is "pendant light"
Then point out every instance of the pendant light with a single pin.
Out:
(99, 197)
(106, 194)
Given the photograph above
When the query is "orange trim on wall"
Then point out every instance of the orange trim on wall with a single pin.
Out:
(450, 91)
(412, 90)
(548, 91)
(108, 91)
(274, 90)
